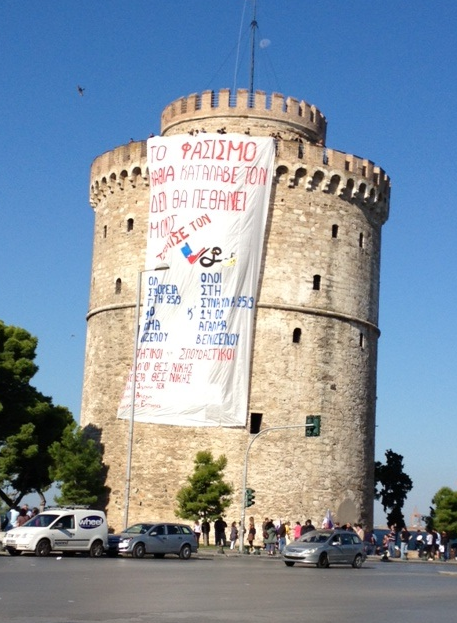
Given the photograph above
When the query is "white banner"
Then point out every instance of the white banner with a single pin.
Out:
(208, 208)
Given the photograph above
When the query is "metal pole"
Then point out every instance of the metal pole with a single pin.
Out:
(132, 403)
(245, 474)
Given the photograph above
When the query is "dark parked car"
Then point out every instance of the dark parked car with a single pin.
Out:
(326, 547)
(154, 538)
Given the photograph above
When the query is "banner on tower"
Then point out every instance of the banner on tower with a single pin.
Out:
(208, 208)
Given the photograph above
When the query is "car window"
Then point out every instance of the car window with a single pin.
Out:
(66, 522)
(41, 521)
(356, 539)
(138, 528)
(158, 530)
(173, 529)
(346, 539)
(186, 530)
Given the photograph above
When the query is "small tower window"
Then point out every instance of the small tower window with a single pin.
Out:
(361, 241)
(118, 288)
(316, 282)
(105, 230)
(130, 224)
(361, 340)
(256, 421)
(296, 336)
(334, 231)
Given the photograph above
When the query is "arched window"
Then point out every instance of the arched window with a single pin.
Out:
(130, 224)
(316, 282)
(296, 336)
(118, 289)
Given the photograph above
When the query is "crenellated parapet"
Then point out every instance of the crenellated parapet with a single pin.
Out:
(115, 170)
(315, 167)
(262, 113)
(348, 177)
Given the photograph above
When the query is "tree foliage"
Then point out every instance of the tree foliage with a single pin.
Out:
(444, 515)
(77, 467)
(392, 486)
(30, 424)
(206, 495)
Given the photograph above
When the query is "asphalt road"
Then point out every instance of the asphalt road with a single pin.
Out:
(246, 589)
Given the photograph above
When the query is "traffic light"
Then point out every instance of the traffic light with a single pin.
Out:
(249, 497)
(313, 426)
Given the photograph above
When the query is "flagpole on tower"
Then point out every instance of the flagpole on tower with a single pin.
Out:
(253, 29)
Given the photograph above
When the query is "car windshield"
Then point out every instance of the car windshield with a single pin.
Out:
(315, 537)
(41, 521)
(138, 528)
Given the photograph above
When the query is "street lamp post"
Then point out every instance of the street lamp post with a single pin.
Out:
(245, 473)
(160, 267)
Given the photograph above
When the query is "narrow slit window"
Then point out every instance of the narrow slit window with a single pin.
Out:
(361, 340)
(130, 224)
(316, 282)
(296, 336)
(334, 231)
(256, 421)
(118, 288)
(105, 230)
(361, 241)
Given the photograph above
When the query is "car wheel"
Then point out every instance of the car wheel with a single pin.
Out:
(96, 549)
(185, 552)
(358, 561)
(12, 551)
(139, 550)
(159, 555)
(43, 548)
(289, 563)
(323, 562)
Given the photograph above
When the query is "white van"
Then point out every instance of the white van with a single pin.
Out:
(70, 529)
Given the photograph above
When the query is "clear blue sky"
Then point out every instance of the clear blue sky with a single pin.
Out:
(382, 72)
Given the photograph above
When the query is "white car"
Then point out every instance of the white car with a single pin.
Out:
(69, 529)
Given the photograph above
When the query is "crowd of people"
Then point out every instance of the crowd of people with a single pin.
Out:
(17, 517)
(272, 536)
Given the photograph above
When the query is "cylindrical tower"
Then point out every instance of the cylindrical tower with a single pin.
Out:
(315, 336)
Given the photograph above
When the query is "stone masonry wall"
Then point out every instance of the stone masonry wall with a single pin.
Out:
(315, 350)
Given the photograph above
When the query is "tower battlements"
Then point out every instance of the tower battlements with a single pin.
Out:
(266, 113)
(314, 167)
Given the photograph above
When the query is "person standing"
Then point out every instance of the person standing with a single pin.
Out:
(297, 530)
(233, 535)
(197, 531)
(444, 546)
(269, 538)
(404, 540)
(205, 531)
(307, 527)
(251, 533)
(219, 532)
(282, 534)
(391, 541)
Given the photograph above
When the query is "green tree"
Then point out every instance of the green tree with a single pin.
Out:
(29, 421)
(392, 486)
(206, 495)
(77, 467)
(445, 511)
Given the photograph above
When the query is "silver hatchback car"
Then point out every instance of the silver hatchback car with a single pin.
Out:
(326, 547)
(157, 539)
